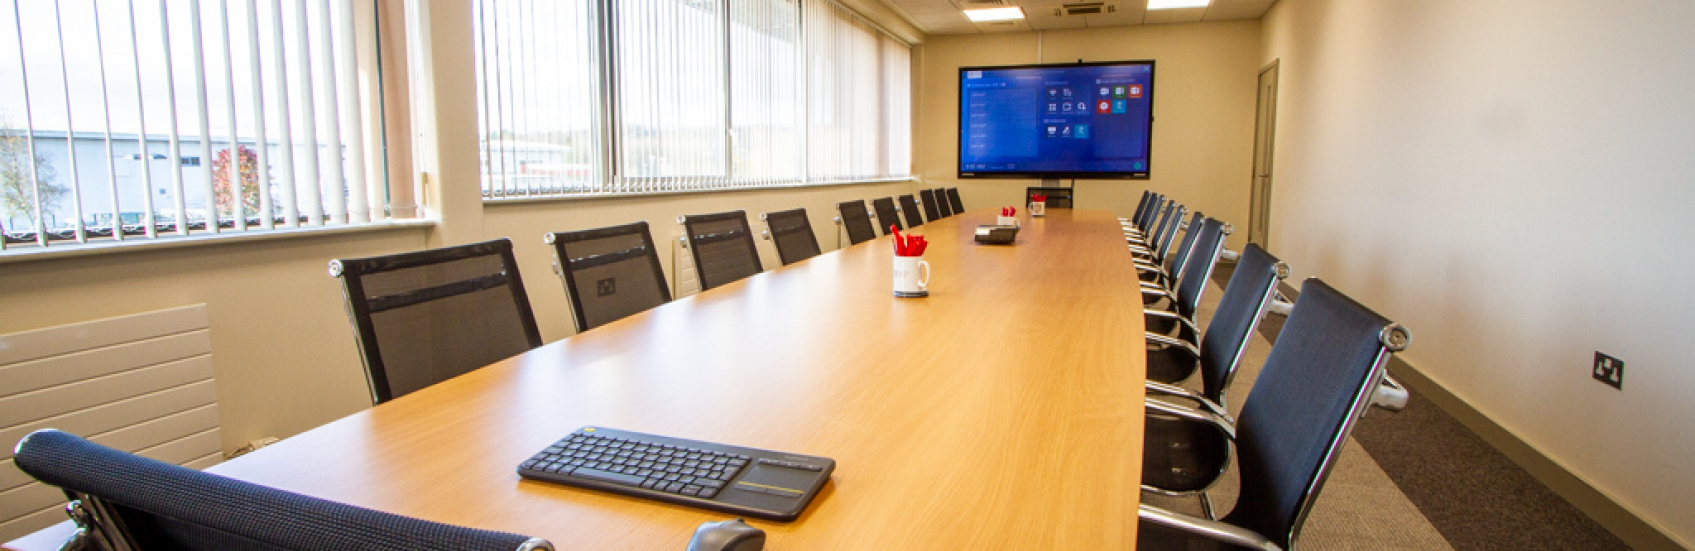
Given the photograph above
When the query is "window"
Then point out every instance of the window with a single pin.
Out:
(258, 102)
(686, 95)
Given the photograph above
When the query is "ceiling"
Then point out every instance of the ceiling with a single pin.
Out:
(946, 17)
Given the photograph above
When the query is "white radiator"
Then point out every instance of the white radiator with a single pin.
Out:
(685, 280)
(140, 383)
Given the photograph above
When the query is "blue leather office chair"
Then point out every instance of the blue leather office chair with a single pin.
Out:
(1246, 297)
(126, 502)
(1328, 366)
(1170, 266)
(1181, 303)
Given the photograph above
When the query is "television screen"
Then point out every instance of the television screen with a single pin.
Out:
(1079, 120)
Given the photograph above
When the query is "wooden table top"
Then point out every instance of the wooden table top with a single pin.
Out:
(1004, 411)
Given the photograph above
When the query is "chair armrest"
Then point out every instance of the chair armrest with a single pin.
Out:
(1211, 529)
(1169, 341)
(1191, 394)
(1188, 413)
(1155, 292)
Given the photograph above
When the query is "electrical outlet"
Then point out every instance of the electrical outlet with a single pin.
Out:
(1609, 370)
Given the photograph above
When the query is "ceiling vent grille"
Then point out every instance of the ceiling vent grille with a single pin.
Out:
(1089, 8)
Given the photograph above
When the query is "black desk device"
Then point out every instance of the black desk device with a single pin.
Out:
(997, 235)
(752, 482)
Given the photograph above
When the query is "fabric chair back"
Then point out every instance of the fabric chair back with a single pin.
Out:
(424, 317)
(1330, 356)
(1245, 299)
(886, 214)
(856, 221)
(931, 210)
(127, 501)
(1201, 261)
(909, 209)
(722, 247)
(609, 273)
(1141, 205)
(792, 233)
(954, 201)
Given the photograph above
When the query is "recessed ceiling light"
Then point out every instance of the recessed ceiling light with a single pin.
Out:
(1008, 13)
(1174, 4)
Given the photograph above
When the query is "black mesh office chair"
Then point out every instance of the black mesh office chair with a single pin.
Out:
(609, 273)
(887, 214)
(1185, 299)
(942, 205)
(722, 247)
(792, 233)
(428, 316)
(931, 210)
(1058, 197)
(856, 221)
(1328, 366)
(124, 501)
(1129, 224)
(909, 209)
(1246, 297)
(953, 200)
(1170, 267)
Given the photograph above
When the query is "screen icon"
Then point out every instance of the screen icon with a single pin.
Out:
(1065, 92)
(1067, 107)
(1106, 91)
(1053, 108)
(1119, 106)
(1080, 131)
(1082, 107)
(1053, 93)
(1065, 131)
(1103, 106)
(1135, 90)
(1119, 91)
(1053, 131)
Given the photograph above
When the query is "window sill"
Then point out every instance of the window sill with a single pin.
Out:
(644, 194)
(27, 253)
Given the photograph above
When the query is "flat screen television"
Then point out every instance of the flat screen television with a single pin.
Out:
(1074, 120)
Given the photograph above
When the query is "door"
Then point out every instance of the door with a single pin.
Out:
(1265, 131)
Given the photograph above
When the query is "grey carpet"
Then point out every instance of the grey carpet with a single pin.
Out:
(1470, 492)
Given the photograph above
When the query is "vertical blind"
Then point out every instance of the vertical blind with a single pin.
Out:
(683, 95)
(140, 118)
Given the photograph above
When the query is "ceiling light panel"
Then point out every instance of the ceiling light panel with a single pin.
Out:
(1009, 13)
(1176, 4)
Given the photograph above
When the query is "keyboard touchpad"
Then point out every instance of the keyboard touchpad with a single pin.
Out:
(777, 481)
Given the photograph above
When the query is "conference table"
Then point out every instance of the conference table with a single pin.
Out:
(1003, 411)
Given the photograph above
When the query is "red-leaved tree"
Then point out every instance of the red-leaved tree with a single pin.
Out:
(249, 182)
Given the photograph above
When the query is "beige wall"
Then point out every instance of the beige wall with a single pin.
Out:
(1512, 181)
(1204, 81)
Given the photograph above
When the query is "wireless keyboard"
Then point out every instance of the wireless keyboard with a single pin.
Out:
(744, 481)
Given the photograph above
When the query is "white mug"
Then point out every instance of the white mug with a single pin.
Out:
(907, 281)
(1008, 221)
(1038, 208)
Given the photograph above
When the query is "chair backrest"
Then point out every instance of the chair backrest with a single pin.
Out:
(1174, 263)
(942, 203)
(428, 316)
(931, 211)
(792, 233)
(149, 505)
(856, 221)
(1330, 356)
(1141, 205)
(887, 215)
(1058, 197)
(1245, 299)
(1162, 241)
(722, 247)
(1201, 261)
(1146, 222)
(953, 200)
(609, 273)
(1165, 217)
(909, 209)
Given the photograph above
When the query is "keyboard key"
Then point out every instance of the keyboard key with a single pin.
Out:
(604, 476)
(691, 490)
(674, 487)
(709, 483)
